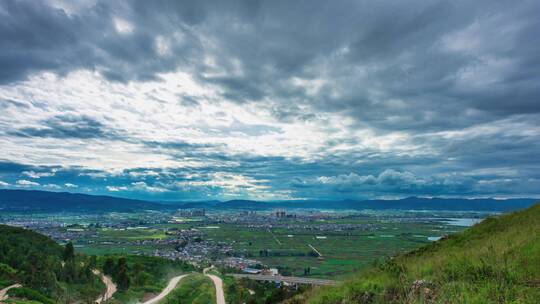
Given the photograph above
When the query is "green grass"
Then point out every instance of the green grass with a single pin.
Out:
(193, 289)
(496, 261)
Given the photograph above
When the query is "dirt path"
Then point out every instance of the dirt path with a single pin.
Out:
(3, 292)
(111, 287)
(220, 296)
(170, 287)
(218, 283)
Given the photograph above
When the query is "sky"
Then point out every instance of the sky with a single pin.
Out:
(271, 100)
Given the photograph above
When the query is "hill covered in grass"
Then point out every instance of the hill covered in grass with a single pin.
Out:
(495, 261)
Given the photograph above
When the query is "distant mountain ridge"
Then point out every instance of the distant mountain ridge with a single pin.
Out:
(410, 203)
(45, 201)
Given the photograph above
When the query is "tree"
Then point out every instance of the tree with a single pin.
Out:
(69, 271)
(92, 262)
(108, 267)
(122, 278)
(69, 252)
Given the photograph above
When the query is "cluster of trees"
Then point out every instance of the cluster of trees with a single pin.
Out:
(118, 271)
(50, 271)
(265, 292)
(40, 264)
(77, 270)
(133, 273)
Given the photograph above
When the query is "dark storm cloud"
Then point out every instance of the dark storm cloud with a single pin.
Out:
(410, 52)
(36, 37)
(66, 126)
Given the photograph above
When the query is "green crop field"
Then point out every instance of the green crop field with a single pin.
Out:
(342, 252)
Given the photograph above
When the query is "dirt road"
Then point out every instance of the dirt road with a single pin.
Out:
(170, 287)
(220, 296)
(111, 287)
(218, 283)
(3, 292)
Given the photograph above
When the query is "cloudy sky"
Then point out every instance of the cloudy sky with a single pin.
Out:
(271, 100)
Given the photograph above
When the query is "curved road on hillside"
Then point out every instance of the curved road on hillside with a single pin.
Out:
(170, 287)
(220, 296)
(218, 283)
(111, 287)
(3, 292)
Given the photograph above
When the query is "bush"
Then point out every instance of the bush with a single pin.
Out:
(29, 294)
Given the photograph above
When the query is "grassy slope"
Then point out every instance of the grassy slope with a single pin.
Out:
(496, 261)
(193, 289)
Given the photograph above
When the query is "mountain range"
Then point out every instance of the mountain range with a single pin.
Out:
(45, 201)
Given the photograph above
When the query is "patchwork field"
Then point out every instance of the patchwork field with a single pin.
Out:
(326, 245)
(342, 252)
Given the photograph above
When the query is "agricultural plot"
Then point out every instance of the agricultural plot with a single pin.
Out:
(324, 246)
(342, 252)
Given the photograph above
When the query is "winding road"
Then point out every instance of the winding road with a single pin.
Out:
(111, 287)
(220, 296)
(218, 283)
(170, 287)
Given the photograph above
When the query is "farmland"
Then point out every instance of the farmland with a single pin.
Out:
(329, 244)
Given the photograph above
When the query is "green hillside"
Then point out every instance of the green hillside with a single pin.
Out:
(496, 261)
(48, 272)
(51, 273)
(145, 275)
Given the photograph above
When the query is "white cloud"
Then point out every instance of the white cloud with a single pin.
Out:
(52, 186)
(122, 26)
(36, 175)
(70, 185)
(116, 189)
(26, 183)
(387, 177)
(3, 184)
(142, 186)
(163, 46)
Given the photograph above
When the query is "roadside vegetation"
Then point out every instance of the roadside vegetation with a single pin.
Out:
(238, 291)
(496, 261)
(140, 276)
(193, 289)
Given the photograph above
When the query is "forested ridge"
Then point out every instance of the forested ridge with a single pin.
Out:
(45, 269)
(51, 273)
